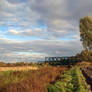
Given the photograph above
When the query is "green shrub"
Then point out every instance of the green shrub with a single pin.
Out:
(71, 81)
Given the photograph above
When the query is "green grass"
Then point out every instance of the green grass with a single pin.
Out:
(71, 81)
(9, 77)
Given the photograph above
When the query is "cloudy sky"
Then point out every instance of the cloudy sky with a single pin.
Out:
(33, 29)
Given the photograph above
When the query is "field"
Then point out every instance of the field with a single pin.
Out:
(29, 81)
(43, 79)
(24, 68)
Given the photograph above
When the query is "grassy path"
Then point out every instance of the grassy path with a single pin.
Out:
(71, 81)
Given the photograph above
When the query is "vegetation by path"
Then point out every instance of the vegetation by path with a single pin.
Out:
(71, 81)
(87, 72)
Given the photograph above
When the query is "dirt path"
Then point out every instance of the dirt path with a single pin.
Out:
(23, 68)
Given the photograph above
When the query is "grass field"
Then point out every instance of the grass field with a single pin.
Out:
(43, 79)
(29, 81)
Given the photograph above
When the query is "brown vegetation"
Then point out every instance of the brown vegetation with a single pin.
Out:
(37, 81)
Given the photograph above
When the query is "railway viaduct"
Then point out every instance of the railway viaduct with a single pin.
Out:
(61, 60)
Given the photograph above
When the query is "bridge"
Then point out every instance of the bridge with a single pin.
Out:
(61, 60)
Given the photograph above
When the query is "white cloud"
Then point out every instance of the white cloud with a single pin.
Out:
(14, 32)
(76, 37)
(36, 32)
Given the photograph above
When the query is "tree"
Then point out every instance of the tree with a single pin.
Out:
(86, 32)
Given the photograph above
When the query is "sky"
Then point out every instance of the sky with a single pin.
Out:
(31, 30)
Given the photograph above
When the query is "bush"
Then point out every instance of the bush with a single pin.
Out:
(71, 81)
(85, 55)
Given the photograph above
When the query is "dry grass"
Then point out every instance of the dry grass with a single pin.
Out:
(23, 68)
(31, 81)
